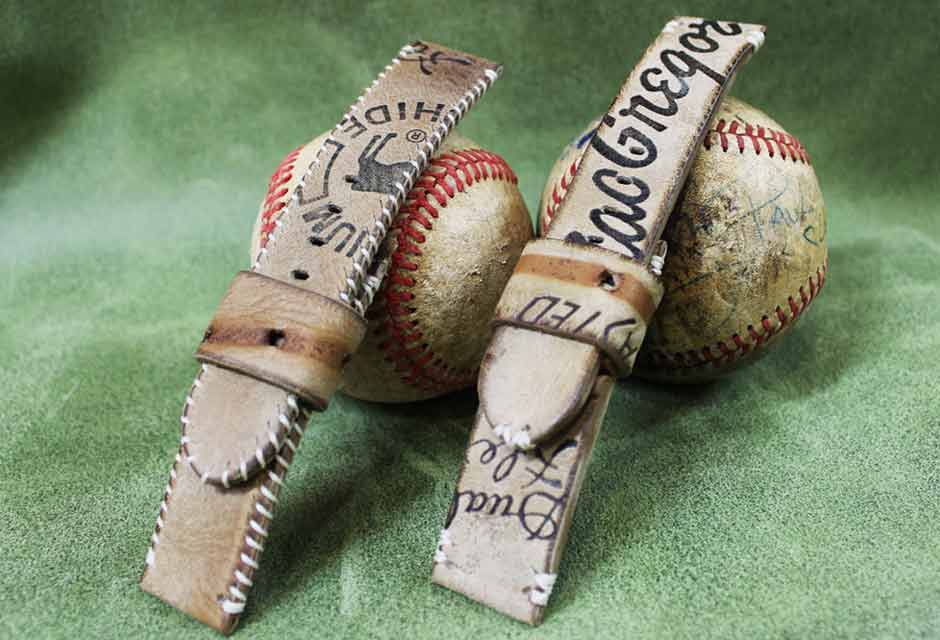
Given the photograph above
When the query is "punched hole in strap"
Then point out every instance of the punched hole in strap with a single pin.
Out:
(276, 338)
(281, 334)
(607, 281)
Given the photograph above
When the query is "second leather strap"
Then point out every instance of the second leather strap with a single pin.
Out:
(534, 380)
(275, 347)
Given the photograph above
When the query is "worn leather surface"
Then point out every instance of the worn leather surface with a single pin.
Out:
(758, 195)
(366, 166)
(565, 293)
(792, 498)
(361, 175)
(747, 246)
(207, 532)
(511, 512)
(269, 331)
(627, 184)
(447, 257)
(276, 332)
(625, 166)
(597, 296)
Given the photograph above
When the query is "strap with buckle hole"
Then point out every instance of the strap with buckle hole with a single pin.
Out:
(275, 348)
(576, 306)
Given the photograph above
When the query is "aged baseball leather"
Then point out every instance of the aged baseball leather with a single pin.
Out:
(598, 297)
(752, 188)
(464, 221)
(209, 535)
(747, 246)
(509, 518)
(539, 372)
(278, 333)
(620, 198)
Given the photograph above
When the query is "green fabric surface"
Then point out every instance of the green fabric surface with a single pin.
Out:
(797, 499)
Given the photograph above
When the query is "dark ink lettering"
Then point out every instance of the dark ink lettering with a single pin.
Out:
(382, 111)
(561, 319)
(646, 151)
(435, 112)
(552, 301)
(354, 124)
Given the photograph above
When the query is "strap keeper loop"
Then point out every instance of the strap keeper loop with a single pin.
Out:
(584, 293)
(291, 338)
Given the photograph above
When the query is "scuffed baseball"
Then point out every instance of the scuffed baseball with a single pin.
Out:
(449, 254)
(746, 246)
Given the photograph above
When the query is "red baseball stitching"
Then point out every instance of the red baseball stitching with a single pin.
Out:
(275, 201)
(787, 146)
(446, 175)
(566, 177)
(724, 352)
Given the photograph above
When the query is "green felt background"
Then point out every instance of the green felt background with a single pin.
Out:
(797, 500)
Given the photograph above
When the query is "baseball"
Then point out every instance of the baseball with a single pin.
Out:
(746, 246)
(448, 255)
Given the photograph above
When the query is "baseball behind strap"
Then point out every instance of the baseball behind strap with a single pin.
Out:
(277, 343)
(581, 298)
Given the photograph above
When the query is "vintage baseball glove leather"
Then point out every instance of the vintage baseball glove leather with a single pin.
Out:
(274, 351)
(578, 304)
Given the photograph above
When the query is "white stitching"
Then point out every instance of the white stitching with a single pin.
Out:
(237, 605)
(358, 291)
(544, 583)
(231, 607)
(444, 541)
(658, 260)
(504, 432)
(243, 579)
(756, 38)
(261, 531)
(151, 556)
(518, 439)
(369, 248)
(295, 196)
(263, 511)
(286, 420)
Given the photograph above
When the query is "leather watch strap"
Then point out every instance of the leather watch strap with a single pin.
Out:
(617, 203)
(276, 346)
(508, 521)
(578, 302)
